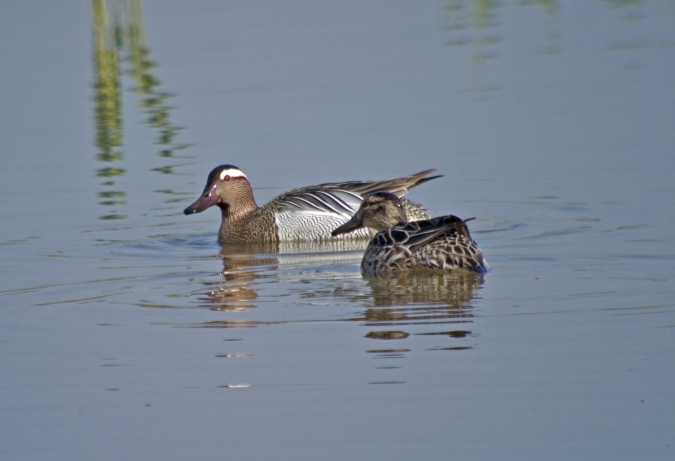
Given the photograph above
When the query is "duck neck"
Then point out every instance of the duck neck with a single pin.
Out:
(242, 206)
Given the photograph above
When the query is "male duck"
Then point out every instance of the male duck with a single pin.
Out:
(438, 243)
(306, 213)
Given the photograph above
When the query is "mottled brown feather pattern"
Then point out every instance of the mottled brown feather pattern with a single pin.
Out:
(442, 243)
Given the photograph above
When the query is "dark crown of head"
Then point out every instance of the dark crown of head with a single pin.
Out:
(382, 195)
(216, 171)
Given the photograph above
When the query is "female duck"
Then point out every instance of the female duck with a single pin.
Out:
(438, 243)
(306, 213)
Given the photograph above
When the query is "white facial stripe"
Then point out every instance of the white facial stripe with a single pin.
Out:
(232, 173)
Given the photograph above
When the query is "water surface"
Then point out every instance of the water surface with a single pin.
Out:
(126, 331)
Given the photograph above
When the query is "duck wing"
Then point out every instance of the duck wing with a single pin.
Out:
(343, 198)
(318, 200)
(397, 186)
(417, 234)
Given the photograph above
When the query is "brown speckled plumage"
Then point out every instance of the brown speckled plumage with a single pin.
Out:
(440, 243)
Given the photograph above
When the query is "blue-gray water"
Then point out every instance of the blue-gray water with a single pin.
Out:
(126, 332)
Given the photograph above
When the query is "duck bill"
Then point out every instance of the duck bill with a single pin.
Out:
(352, 224)
(202, 203)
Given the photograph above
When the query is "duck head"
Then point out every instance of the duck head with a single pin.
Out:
(226, 186)
(378, 210)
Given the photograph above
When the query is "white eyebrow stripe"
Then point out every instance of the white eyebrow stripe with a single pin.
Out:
(232, 173)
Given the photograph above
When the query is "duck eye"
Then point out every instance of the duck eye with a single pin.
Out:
(226, 178)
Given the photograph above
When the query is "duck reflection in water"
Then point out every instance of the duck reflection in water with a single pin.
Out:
(425, 287)
(248, 265)
(417, 303)
(242, 264)
(422, 297)
(392, 306)
(438, 303)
